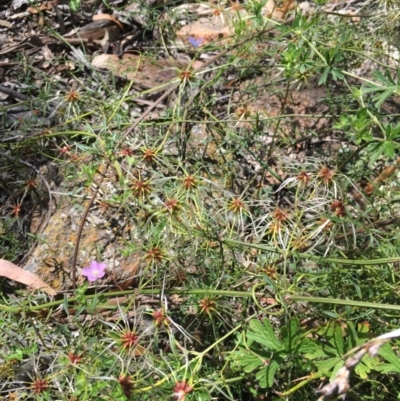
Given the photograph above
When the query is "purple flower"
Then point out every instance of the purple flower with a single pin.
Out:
(195, 42)
(94, 271)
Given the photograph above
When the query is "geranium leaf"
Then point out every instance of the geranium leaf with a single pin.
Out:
(264, 334)
(266, 375)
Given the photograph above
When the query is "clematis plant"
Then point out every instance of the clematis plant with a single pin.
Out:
(94, 271)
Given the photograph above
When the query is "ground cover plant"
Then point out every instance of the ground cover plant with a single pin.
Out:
(220, 225)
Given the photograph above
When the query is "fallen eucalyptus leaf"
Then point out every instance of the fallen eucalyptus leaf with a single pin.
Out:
(145, 72)
(16, 273)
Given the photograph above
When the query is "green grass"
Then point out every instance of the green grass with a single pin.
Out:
(260, 267)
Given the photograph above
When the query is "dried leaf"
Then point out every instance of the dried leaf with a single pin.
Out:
(96, 29)
(146, 72)
(47, 53)
(203, 31)
(139, 350)
(105, 42)
(5, 23)
(16, 273)
(279, 13)
(110, 36)
(109, 17)
(46, 6)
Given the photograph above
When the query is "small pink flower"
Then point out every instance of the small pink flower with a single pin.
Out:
(94, 271)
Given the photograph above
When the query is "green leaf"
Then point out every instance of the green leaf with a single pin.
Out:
(362, 370)
(294, 341)
(338, 365)
(325, 366)
(370, 361)
(388, 149)
(375, 151)
(75, 5)
(264, 334)
(386, 368)
(385, 84)
(324, 76)
(386, 352)
(336, 74)
(392, 133)
(289, 335)
(248, 360)
(203, 395)
(384, 79)
(380, 99)
(363, 327)
(317, 353)
(337, 340)
(266, 368)
(307, 346)
(352, 336)
(365, 366)
(266, 375)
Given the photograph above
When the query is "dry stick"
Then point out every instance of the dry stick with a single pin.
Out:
(339, 14)
(80, 229)
(13, 93)
(283, 105)
(16, 47)
(38, 333)
(148, 110)
(59, 18)
(13, 139)
(135, 124)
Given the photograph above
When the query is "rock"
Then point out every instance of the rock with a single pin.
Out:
(52, 258)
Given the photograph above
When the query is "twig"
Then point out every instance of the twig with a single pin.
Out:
(59, 18)
(148, 110)
(80, 229)
(339, 14)
(13, 139)
(13, 93)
